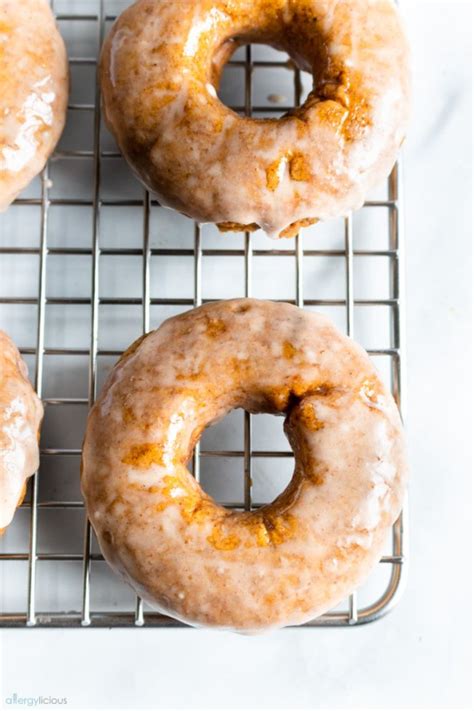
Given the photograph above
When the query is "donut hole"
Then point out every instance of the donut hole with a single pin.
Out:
(223, 461)
(262, 81)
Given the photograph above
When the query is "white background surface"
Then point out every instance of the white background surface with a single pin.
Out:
(418, 656)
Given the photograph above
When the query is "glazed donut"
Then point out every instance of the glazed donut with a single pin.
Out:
(33, 92)
(21, 412)
(161, 66)
(282, 564)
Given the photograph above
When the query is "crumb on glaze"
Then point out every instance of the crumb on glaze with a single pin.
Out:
(280, 527)
(316, 477)
(222, 542)
(299, 168)
(273, 173)
(289, 351)
(144, 456)
(215, 327)
(308, 417)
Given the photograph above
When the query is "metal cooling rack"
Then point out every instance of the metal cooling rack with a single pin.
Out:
(22, 546)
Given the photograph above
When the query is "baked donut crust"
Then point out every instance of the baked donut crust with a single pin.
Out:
(21, 413)
(282, 564)
(33, 92)
(160, 67)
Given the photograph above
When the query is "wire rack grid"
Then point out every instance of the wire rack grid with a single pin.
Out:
(24, 544)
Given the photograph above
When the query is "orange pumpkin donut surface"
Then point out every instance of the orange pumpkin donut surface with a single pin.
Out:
(282, 564)
(21, 412)
(33, 92)
(161, 66)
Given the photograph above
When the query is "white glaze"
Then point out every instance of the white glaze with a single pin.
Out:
(347, 139)
(21, 412)
(33, 92)
(318, 540)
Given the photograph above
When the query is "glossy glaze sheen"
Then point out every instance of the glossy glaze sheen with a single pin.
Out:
(21, 412)
(160, 66)
(33, 92)
(291, 560)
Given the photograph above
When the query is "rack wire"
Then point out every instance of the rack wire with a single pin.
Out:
(87, 614)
